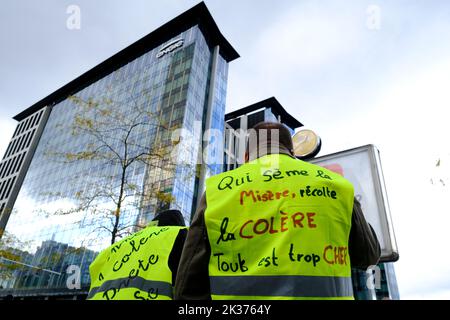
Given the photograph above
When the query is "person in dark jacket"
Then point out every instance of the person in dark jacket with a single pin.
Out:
(193, 281)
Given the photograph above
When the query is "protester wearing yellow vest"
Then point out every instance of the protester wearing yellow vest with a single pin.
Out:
(275, 228)
(142, 266)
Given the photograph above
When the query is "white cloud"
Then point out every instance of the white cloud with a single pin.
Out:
(7, 127)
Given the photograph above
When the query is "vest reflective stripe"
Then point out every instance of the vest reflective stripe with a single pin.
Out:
(163, 288)
(282, 286)
(136, 267)
(279, 228)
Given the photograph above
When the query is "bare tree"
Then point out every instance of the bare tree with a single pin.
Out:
(119, 138)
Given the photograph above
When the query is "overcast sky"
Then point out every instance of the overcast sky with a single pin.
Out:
(356, 72)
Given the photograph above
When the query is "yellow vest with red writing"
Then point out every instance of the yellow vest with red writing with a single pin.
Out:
(136, 267)
(278, 229)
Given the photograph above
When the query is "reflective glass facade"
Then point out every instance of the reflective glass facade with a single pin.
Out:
(171, 88)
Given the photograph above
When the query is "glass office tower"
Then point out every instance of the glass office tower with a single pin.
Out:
(56, 222)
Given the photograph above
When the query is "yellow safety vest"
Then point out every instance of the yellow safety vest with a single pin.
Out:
(135, 268)
(278, 229)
